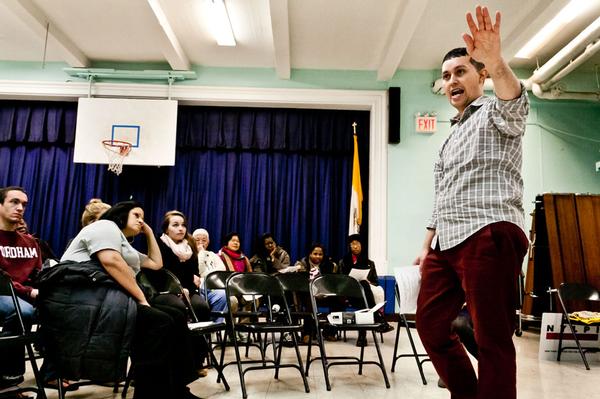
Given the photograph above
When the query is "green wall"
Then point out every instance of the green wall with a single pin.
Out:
(560, 149)
(561, 144)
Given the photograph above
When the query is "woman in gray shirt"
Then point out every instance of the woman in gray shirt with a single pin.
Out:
(161, 357)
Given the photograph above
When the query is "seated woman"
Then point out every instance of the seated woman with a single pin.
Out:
(161, 357)
(235, 261)
(232, 256)
(317, 263)
(209, 262)
(270, 257)
(356, 259)
(93, 210)
(180, 256)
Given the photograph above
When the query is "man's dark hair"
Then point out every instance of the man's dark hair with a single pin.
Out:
(461, 52)
(119, 213)
(5, 190)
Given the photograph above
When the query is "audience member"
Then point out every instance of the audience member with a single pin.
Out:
(209, 262)
(232, 256)
(180, 256)
(235, 260)
(162, 360)
(317, 263)
(356, 261)
(270, 257)
(46, 251)
(93, 210)
(20, 259)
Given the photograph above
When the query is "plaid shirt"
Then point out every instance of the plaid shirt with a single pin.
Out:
(477, 176)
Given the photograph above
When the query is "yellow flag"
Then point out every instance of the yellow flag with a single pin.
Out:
(357, 195)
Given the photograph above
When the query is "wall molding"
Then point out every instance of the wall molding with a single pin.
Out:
(374, 101)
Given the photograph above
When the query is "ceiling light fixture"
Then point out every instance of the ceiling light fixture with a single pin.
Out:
(221, 25)
(564, 17)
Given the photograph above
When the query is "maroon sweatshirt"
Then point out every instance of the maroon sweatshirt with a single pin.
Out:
(20, 257)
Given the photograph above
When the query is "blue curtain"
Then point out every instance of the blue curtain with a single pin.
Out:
(248, 170)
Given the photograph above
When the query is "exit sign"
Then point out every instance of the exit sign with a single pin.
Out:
(426, 124)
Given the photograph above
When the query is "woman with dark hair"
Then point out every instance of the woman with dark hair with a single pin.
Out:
(270, 257)
(232, 255)
(357, 261)
(180, 256)
(162, 362)
(317, 263)
(235, 261)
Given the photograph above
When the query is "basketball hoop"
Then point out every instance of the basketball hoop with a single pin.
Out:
(116, 151)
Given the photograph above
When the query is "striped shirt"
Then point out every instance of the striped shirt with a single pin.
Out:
(477, 175)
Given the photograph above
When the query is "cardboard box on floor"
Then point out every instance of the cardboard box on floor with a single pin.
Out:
(363, 316)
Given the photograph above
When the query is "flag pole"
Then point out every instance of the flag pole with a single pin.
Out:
(356, 196)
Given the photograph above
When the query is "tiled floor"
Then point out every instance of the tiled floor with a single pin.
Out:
(536, 379)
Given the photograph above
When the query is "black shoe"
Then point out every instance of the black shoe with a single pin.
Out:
(7, 381)
(385, 327)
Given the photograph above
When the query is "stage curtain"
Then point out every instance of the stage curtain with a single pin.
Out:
(286, 171)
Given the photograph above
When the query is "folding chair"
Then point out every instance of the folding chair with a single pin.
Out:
(217, 280)
(22, 337)
(164, 282)
(270, 289)
(568, 292)
(407, 326)
(340, 285)
(298, 286)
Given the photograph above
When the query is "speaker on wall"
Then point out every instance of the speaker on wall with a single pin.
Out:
(394, 115)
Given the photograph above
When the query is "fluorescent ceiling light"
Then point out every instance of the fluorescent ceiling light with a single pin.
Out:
(221, 26)
(564, 17)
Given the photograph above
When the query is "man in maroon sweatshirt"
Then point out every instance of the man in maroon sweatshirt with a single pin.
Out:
(19, 258)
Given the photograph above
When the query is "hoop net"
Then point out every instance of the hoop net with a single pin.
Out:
(116, 151)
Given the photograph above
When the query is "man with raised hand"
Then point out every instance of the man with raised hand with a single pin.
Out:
(475, 241)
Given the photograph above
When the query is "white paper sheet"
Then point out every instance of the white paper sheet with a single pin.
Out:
(408, 279)
(289, 269)
(359, 274)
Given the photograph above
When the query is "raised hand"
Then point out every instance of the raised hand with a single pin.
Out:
(483, 44)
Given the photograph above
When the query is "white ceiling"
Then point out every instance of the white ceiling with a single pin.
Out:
(374, 35)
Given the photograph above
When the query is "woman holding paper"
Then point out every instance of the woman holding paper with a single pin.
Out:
(356, 264)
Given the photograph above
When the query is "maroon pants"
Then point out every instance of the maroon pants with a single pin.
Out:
(481, 271)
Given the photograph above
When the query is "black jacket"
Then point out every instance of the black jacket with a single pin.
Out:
(363, 263)
(87, 321)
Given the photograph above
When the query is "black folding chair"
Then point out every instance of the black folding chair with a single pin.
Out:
(270, 289)
(16, 338)
(584, 293)
(157, 282)
(407, 326)
(297, 287)
(217, 280)
(340, 285)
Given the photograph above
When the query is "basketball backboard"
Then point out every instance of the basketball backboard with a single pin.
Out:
(150, 127)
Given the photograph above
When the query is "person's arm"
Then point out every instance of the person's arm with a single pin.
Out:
(426, 247)
(372, 276)
(117, 268)
(154, 260)
(280, 258)
(301, 266)
(483, 45)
